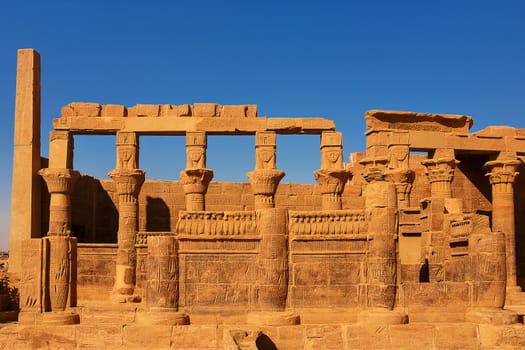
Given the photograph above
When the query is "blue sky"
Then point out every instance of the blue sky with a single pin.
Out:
(334, 59)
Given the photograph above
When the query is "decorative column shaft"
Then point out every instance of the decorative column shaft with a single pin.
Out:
(272, 269)
(162, 289)
(502, 174)
(59, 244)
(265, 178)
(163, 273)
(196, 177)
(127, 185)
(332, 176)
(440, 172)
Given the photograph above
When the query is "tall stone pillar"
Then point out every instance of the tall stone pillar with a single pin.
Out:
(196, 177)
(379, 296)
(25, 198)
(440, 172)
(273, 259)
(332, 176)
(59, 244)
(128, 182)
(502, 174)
(265, 177)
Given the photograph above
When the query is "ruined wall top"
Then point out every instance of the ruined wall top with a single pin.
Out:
(428, 131)
(212, 118)
(378, 119)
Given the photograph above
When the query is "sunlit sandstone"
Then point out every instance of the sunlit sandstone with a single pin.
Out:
(414, 243)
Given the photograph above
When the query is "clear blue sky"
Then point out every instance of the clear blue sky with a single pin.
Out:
(333, 59)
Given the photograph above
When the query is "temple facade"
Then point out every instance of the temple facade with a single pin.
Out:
(417, 237)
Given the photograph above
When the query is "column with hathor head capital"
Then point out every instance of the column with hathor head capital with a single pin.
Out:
(381, 211)
(440, 172)
(265, 177)
(196, 177)
(332, 176)
(61, 247)
(502, 173)
(128, 181)
(399, 172)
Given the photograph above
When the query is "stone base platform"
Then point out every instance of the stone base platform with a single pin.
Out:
(233, 337)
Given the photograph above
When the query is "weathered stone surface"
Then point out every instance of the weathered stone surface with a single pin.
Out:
(403, 229)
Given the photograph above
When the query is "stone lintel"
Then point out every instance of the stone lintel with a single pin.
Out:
(179, 126)
(417, 121)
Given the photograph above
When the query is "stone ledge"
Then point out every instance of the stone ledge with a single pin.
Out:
(334, 336)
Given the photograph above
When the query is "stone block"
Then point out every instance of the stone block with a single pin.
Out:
(84, 109)
(99, 335)
(147, 337)
(367, 337)
(411, 336)
(184, 110)
(234, 111)
(113, 111)
(168, 110)
(457, 336)
(290, 337)
(194, 337)
(311, 274)
(205, 110)
(345, 273)
(141, 110)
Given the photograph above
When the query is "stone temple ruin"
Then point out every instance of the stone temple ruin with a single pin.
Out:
(414, 243)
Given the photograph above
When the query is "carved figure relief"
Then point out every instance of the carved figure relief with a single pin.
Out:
(127, 159)
(398, 157)
(265, 158)
(195, 158)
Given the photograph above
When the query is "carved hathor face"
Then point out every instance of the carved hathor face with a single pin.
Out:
(196, 157)
(333, 156)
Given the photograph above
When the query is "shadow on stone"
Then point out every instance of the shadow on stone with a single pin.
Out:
(264, 342)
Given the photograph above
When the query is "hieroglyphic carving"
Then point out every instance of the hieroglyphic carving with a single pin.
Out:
(127, 150)
(195, 178)
(228, 223)
(460, 229)
(332, 176)
(59, 247)
(127, 184)
(265, 144)
(265, 177)
(331, 150)
(163, 272)
(327, 223)
(58, 275)
(141, 239)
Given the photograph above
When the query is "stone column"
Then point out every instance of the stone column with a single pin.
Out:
(59, 246)
(265, 177)
(25, 195)
(486, 269)
(332, 176)
(128, 182)
(273, 259)
(399, 172)
(502, 174)
(440, 172)
(162, 290)
(196, 177)
(381, 264)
